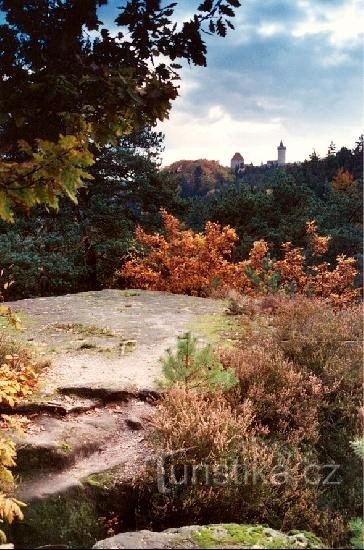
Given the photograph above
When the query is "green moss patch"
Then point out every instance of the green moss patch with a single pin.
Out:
(102, 480)
(217, 328)
(246, 536)
(70, 520)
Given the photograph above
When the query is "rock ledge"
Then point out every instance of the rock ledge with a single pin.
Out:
(213, 536)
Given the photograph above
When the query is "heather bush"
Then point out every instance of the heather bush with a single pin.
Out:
(313, 335)
(206, 422)
(296, 406)
(329, 345)
(356, 525)
(285, 399)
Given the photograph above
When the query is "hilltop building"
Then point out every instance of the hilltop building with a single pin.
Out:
(237, 162)
(281, 154)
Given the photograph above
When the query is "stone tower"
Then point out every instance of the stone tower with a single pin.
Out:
(281, 154)
(237, 162)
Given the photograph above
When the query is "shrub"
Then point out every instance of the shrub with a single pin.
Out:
(343, 181)
(285, 398)
(356, 526)
(207, 423)
(185, 262)
(17, 381)
(326, 342)
(196, 366)
(296, 404)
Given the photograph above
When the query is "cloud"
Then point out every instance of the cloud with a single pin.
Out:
(212, 138)
(343, 22)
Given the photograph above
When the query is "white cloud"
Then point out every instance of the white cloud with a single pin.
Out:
(343, 23)
(218, 136)
(270, 29)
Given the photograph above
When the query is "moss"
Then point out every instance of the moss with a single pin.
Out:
(102, 480)
(313, 540)
(217, 328)
(65, 447)
(217, 536)
(232, 534)
(79, 328)
(70, 519)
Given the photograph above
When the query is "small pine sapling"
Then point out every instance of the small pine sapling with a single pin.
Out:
(195, 366)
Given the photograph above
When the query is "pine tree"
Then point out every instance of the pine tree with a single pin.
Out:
(195, 366)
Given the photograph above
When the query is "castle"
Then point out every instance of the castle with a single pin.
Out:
(237, 162)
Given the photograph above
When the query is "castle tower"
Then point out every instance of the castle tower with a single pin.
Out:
(281, 154)
(237, 162)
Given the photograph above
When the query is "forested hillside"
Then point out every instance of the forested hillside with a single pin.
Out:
(200, 177)
(82, 245)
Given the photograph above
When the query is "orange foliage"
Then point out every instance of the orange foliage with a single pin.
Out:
(319, 245)
(343, 181)
(18, 378)
(185, 262)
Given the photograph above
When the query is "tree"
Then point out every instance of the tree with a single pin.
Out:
(197, 180)
(55, 252)
(343, 181)
(62, 89)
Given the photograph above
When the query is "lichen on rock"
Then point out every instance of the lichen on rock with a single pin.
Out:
(212, 536)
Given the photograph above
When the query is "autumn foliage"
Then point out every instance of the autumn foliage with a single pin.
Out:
(343, 181)
(185, 262)
(18, 379)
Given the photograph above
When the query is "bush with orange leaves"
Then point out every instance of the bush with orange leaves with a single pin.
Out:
(182, 261)
(185, 262)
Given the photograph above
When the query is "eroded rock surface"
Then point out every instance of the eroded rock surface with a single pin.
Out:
(95, 398)
(108, 339)
(212, 536)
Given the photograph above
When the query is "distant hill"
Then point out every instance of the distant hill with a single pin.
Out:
(200, 177)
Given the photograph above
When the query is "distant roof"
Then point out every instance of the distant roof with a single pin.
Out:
(281, 146)
(237, 156)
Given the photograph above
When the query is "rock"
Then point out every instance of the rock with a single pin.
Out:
(150, 326)
(134, 423)
(52, 407)
(212, 536)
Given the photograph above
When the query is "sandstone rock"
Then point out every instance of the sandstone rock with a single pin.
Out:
(212, 536)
